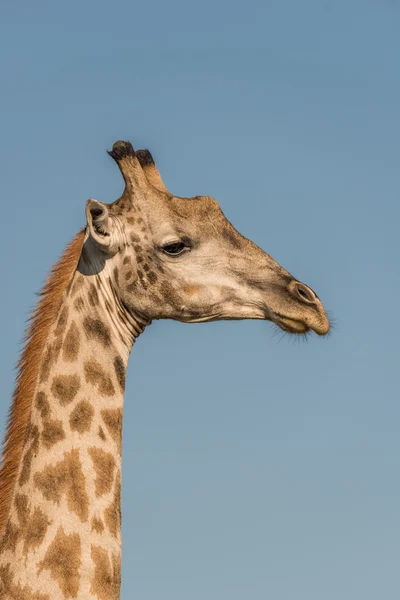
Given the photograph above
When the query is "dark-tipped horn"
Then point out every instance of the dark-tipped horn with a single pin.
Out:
(148, 165)
(145, 158)
(121, 150)
(125, 157)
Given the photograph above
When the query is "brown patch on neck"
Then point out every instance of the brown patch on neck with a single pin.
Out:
(112, 514)
(63, 560)
(65, 478)
(112, 418)
(106, 582)
(12, 591)
(104, 465)
(29, 364)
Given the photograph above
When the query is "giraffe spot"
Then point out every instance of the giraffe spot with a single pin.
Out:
(32, 432)
(78, 283)
(14, 591)
(97, 525)
(96, 330)
(139, 258)
(152, 277)
(126, 260)
(79, 304)
(94, 374)
(65, 388)
(65, 478)
(146, 268)
(130, 220)
(5, 577)
(10, 538)
(93, 295)
(71, 344)
(81, 417)
(56, 348)
(62, 322)
(21, 506)
(33, 439)
(63, 560)
(102, 435)
(107, 574)
(116, 275)
(112, 418)
(140, 220)
(112, 514)
(42, 404)
(52, 433)
(35, 530)
(169, 294)
(128, 274)
(104, 465)
(140, 273)
(131, 287)
(134, 238)
(46, 364)
(120, 371)
(231, 237)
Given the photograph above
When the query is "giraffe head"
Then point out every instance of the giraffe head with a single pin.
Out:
(180, 258)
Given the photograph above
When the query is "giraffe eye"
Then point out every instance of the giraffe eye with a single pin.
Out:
(175, 248)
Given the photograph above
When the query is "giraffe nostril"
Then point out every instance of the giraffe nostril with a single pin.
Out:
(304, 293)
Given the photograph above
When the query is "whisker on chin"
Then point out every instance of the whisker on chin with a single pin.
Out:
(333, 322)
(293, 337)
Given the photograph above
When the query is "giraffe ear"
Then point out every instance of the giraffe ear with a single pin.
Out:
(100, 225)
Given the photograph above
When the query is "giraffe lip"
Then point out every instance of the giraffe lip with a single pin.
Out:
(319, 325)
(290, 325)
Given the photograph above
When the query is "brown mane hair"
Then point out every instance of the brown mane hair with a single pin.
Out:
(28, 366)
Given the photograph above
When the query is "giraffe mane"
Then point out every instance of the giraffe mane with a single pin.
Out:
(40, 322)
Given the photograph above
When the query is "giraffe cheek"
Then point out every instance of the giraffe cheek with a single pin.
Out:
(191, 290)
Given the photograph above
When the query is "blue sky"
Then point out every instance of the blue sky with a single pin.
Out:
(254, 467)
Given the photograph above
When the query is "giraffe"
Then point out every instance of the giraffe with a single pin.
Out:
(149, 255)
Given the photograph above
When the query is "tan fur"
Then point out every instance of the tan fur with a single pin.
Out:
(28, 369)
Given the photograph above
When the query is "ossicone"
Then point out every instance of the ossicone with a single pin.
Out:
(121, 150)
(129, 165)
(145, 158)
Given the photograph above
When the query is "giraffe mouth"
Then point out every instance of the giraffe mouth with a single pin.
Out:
(319, 324)
(290, 325)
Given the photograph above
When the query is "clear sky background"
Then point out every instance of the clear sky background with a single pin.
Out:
(254, 468)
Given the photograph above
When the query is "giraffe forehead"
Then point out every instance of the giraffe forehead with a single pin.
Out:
(165, 208)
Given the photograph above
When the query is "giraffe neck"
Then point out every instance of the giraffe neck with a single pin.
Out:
(62, 538)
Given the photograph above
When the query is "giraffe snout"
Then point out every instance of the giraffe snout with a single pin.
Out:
(308, 308)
